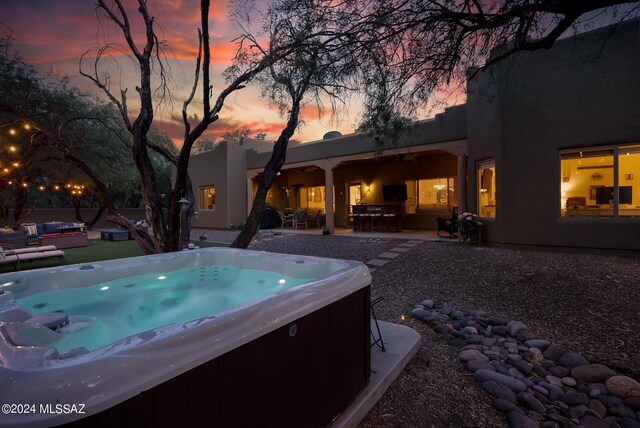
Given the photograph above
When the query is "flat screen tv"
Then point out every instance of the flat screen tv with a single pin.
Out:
(605, 194)
(394, 192)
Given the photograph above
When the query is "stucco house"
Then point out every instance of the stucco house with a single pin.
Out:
(546, 149)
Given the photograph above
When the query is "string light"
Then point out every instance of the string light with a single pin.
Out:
(41, 187)
(12, 131)
(12, 148)
(56, 187)
(27, 126)
(25, 185)
(16, 164)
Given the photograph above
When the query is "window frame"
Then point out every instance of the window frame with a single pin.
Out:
(492, 164)
(615, 148)
(450, 204)
(202, 204)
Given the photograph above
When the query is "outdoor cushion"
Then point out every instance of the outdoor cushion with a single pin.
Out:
(52, 227)
(5, 230)
(40, 227)
(30, 229)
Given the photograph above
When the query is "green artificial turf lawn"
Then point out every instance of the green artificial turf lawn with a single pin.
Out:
(96, 250)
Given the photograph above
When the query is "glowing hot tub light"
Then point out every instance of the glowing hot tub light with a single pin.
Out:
(162, 277)
(104, 288)
(282, 282)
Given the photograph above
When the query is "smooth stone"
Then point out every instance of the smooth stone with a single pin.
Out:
(514, 327)
(598, 407)
(627, 422)
(589, 421)
(591, 373)
(489, 341)
(525, 335)
(594, 393)
(497, 321)
(621, 411)
(476, 347)
(632, 403)
(472, 354)
(428, 303)
(500, 368)
(559, 372)
(541, 344)
(523, 366)
(505, 405)
(610, 401)
(420, 313)
(572, 360)
(569, 381)
(600, 387)
(553, 380)
(553, 353)
(513, 383)
(578, 411)
(540, 371)
(571, 399)
(540, 397)
(457, 314)
(518, 420)
(500, 330)
(623, 386)
(471, 330)
(475, 365)
(499, 391)
(445, 310)
(530, 402)
(540, 389)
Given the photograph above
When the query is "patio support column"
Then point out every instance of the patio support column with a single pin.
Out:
(462, 183)
(328, 166)
(328, 198)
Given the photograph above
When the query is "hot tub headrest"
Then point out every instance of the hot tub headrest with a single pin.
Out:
(52, 320)
(27, 334)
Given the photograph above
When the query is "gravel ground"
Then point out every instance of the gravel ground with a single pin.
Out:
(587, 303)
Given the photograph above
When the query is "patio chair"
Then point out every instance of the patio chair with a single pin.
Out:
(316, 218)
(300, 217)
(285, 219)
(449, 225)
(10, 255)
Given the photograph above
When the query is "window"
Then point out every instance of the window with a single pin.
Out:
(208, 198)
(487, 188)
(430, 196)
(600, 182)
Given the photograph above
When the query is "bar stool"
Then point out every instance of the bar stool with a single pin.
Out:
(375, 218)
(390, 220)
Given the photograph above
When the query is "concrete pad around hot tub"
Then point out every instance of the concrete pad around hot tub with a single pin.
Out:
(402, 344)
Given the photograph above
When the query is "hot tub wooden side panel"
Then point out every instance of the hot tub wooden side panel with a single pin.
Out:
(278, 380)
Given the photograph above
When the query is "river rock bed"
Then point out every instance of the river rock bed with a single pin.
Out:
(534, 382)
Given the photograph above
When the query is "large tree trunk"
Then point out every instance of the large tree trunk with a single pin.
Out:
(95, 218)
(278, 157)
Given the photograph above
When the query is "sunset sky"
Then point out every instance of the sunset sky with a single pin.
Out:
(52, 35)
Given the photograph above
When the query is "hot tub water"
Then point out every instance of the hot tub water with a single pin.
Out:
(109, 311)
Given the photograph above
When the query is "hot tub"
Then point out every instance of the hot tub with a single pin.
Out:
(213, 337)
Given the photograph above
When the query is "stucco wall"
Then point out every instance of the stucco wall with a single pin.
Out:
(584, 92)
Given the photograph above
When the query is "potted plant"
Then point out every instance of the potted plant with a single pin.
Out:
(468, 225)
(325, 230)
